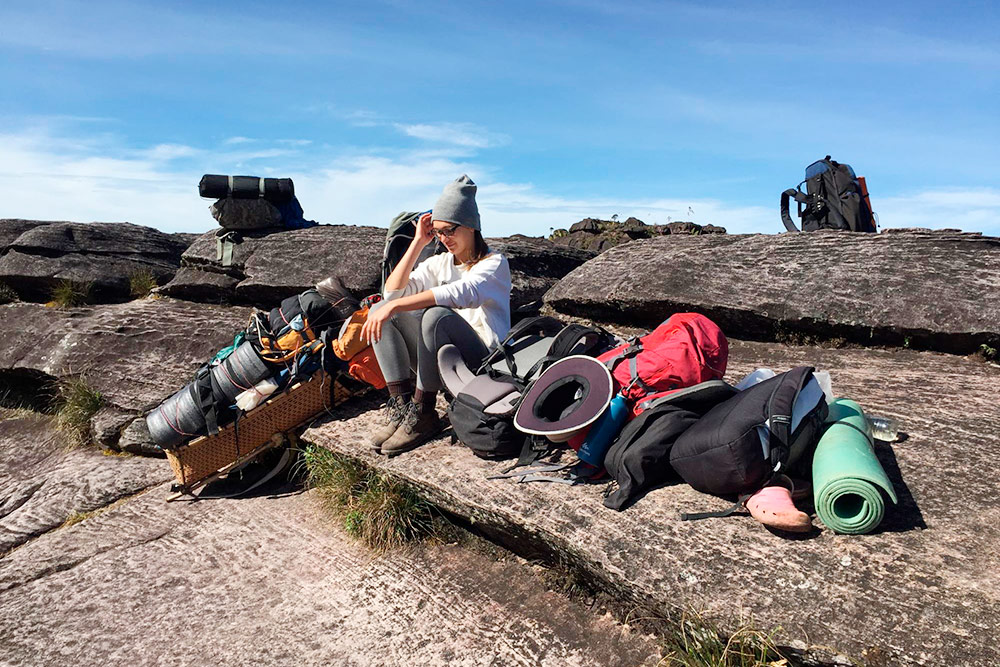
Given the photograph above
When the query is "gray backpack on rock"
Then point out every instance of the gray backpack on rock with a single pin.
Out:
(486, 399)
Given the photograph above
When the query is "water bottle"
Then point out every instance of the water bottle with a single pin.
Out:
(603, 432)
(883, 428)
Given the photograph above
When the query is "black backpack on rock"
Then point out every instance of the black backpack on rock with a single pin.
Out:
(724, 453)
(834, 199)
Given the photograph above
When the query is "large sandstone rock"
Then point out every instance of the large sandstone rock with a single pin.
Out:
(42, 484)
(102, 254)
(270, 581)
(269, 265)
(924, 588)
(136, 354)
(929, 290)
(536, 264)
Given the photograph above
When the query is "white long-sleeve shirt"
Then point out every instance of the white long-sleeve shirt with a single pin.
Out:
(480, 294)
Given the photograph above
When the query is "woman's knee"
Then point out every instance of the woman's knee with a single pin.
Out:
(430, 319)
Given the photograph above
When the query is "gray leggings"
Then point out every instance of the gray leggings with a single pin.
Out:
(411, 340)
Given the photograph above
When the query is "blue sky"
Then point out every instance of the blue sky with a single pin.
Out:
(561, 110)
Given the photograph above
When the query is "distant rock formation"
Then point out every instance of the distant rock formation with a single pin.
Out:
(599, 235)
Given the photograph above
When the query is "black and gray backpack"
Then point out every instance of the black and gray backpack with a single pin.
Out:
(835, 198)
(485, 399)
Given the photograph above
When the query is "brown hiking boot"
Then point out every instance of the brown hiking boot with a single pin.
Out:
(420, 423)
(390, 419)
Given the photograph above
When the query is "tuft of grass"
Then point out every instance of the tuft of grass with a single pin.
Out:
(698, 642)
(69, 294)
(7, 413)
(141, 283)
(76, 517)
(375, 508)
(77, 404)
(989, 353)
(7, 294)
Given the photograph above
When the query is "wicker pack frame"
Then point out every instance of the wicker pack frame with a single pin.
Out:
(209, 457)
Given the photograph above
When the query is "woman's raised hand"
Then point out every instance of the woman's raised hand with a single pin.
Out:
(425, 231)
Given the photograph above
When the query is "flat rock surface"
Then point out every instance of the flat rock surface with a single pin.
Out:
(270, 581)
(925, 587)
(136, 354)
(929, 290)
(102, 254)
(42, 484)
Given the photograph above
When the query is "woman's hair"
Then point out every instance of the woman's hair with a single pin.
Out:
(479, 249)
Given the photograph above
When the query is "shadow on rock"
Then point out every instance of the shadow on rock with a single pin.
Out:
(904, 516)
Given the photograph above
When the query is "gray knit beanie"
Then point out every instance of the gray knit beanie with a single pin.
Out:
(457, 203)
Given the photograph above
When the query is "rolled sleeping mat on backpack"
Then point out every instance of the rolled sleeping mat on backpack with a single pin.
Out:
(274, 190)
(567, 398)
(849, 483)
(238, 372)
(177, 419)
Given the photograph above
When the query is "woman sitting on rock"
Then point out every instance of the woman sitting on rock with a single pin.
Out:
(460, 297)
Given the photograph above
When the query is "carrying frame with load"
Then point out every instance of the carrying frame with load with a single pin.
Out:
(210, 457)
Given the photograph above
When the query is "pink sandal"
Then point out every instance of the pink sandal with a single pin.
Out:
(773, 507)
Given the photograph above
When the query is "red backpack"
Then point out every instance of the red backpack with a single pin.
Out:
(686, 349)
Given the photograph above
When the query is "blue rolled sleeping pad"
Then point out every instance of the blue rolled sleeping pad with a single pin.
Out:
(602, 433)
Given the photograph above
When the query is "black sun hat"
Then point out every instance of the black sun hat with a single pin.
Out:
(567, 398)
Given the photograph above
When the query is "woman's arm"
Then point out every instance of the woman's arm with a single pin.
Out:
(401, 274)
(372, 328)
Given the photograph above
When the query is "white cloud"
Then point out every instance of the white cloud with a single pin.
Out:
(231, 141)
(165, 152)
(973, 210)
(466, 135)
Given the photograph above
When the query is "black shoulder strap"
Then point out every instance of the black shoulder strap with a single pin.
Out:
(779, 408)
(785, 217)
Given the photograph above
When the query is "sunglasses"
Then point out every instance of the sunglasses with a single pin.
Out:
(447, 232)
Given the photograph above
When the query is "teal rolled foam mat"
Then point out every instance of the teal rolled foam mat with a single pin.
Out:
(849, 484)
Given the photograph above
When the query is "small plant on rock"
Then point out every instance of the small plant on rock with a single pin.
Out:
(989, 353)
(698, 642)
(77, 404)
(69, 294)
(7, 294)
(381, 511)
(141, 283)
